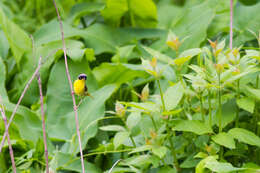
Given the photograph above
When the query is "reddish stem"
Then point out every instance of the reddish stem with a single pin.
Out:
(43, 122)
(231, 25)
(71, 88)
(17, 105)
(8, 137)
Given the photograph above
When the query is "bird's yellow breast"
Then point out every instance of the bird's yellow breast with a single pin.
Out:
(79, 87)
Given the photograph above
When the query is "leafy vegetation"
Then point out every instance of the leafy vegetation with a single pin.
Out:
(169, 95)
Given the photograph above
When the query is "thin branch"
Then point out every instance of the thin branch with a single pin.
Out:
(231, 25)
(43, 122)
(17, 105)
(71, 88)
(8, 137)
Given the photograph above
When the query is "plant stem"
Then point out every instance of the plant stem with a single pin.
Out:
(8, 137)
(43, 123)
(71, 88)
(154, 124)
(237, 111)
(161, 94)
(201, 108)
(257, 127)
(210, 108)
(175, 162)
(219, 104)
(231, 25)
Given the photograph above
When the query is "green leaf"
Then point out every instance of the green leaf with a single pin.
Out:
(4, 45)
(243, 26)
(173, 96)
(220, 167)
(116, 73)
(18, 40)
(245, 136)
(160, 151)
(116, 128)
(162, 57)
(194, 24)
(255, 93)
(201, 165)
(141, 149)
(119, 138)
(133, 119)
(193, 126)
(224, 139)
(114, 10)
(2, 79)
(68, 162)
(246, 103)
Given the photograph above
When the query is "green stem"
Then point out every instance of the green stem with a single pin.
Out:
(201, 108)
(257, 127)
(237, 111)
(154, 124)
(210, 108)
(219, 104)
(161, 93)
(175, 162)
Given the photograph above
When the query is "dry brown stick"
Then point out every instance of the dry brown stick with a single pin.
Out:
(43, 122)
(71, 88)
(17, 105)
(8, 137)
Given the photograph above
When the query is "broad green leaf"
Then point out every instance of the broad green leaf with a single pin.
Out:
(119, 138)
(224, 139)
(255, 93)
(123, 54)
(141, 149)
(246, 103)
(116, 128)
(133, 119)
(114, 10)
(173, 96)
(68, 162)
(18, 40)
(116, 73)
(26, 122)
(243, 14)
(4, 45)
(81, 9)
(194, 25)
(201, 165)
(3, 93)
(167, 170)
(220, 167)
(193, 126)
(245, 136)
(144, 13)
(154, 53)
(160, 151)
(50, 32)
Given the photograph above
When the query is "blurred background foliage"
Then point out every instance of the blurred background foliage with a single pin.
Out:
(104, 39)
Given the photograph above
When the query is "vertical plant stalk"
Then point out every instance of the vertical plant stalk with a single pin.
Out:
(17, 105)
(237, 111)
(231, 25)
(201, 108)
(8, 137)
(219, 104)
(176, 163)
(210, 108)
(257, 127)
(71, 88)
(43, 122)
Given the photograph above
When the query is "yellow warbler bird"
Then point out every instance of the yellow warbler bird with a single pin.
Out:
(80, 87)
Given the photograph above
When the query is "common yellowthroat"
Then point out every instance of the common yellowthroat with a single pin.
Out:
(80, 87)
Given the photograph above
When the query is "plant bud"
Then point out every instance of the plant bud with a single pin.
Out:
(145, 93)
(153, 63)
(120, 109)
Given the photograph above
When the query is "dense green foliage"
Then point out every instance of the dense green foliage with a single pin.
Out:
(166, 99)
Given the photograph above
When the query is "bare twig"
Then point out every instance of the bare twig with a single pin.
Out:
(8, 137)
(43, 121)
(231, 25)
(110, 171)
(17, 105)
(71, 88)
